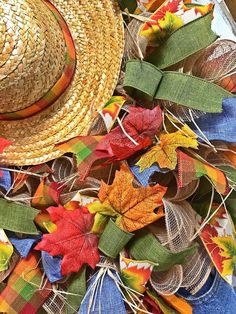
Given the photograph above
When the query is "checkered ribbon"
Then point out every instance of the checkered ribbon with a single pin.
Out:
(84, 149)
(21, 294)
(190, 169)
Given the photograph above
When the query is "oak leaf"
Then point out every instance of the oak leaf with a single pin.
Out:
(72, 239)
(164, 153)
(132, 207)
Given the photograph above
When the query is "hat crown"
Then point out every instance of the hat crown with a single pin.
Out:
(32, 54)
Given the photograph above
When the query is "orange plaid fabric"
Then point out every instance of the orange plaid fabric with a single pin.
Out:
(22, 294)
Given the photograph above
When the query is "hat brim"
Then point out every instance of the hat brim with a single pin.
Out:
(97, 30)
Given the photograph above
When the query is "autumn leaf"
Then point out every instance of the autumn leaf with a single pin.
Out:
(227, 247)
(72, 239)
(141, 125)
(132, 207)
(137, 132)
(164, 153)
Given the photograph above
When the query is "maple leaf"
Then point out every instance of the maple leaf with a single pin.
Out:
(72, 239)
(164, 153)
(227, 245)
(132, 207)
(141, 125)
(137, 132)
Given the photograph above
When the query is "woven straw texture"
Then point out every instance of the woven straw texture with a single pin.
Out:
(97, 30)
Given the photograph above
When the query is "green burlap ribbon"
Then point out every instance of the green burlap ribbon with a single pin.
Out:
(76, 291)
(145, 246)
(113, 239)
(184, 42)
(129, 5)
(145, 80)
(18, 218)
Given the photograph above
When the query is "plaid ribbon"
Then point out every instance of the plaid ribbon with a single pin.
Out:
(84, 149)
(190, 169)
(20, 178)
(21, 294)
(63, 82)
(47, 194)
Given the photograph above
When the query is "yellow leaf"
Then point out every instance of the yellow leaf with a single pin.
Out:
(186, 129)
(104, 209)
(172, 125)
(164, 153)
(133, 207)
(228, 267)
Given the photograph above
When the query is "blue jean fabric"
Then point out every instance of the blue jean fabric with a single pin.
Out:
(145, 176)
(219, 126)
(5, 179)
(107, 298)
(216, 297)
(52, 266)
(23, 245)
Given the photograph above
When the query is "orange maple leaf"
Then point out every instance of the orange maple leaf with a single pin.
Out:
(164, 153)
(132, 207)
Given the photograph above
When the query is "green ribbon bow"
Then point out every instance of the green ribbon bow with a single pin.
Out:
(145, 80)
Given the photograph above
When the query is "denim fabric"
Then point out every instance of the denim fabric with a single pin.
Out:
(144, 176)
(107, 298)
(216, 297)
(5, 180)
(52, 266)
(219, 126)
(23, 245)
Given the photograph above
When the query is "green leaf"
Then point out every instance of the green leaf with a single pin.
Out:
(18, 218)
(145, 246)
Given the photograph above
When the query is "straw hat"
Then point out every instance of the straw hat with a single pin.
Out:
(59, 64)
